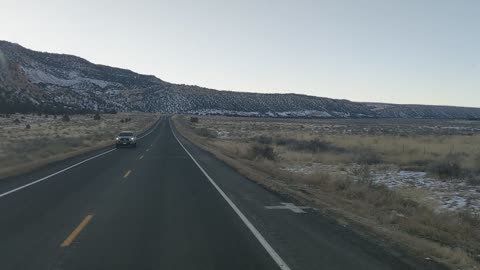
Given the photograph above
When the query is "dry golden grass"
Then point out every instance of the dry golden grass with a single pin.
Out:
(402, 216)
(50, 139)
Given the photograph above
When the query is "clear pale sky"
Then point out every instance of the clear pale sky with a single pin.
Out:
(403, 51)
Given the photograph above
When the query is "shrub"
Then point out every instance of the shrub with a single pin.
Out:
(363, 175)
(342, 184)
(96, 116)
(205, 132)
(447, 168)
(261, 152)
(194, 119)
(473, 180)
(469, 217)
(122, 121)
(66, 118)
(264, 139)
(408, 203)
(313, 146)
(284, 141)
(367, 157)
(27, 126)
(16, 121)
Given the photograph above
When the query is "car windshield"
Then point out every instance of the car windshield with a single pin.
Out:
(125, 134)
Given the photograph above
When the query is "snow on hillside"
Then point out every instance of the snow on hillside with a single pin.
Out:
(56, 82)
(74, 79)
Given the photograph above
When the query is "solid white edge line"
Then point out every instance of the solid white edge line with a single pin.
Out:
(70, 167)
(53, 174)
(245, 220)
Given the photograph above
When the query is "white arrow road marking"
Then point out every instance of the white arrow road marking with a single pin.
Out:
(289, 206)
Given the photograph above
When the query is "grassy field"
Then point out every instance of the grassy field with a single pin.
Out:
(29, 141)
(413, 182)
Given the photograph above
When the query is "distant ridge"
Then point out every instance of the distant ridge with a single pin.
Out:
(33, 81)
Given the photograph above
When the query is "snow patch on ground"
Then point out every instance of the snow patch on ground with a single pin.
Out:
(450, 195)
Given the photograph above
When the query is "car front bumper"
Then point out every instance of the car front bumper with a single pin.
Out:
(120, 143)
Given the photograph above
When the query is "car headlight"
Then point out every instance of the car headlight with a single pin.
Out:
(117, 138)
(132, 139)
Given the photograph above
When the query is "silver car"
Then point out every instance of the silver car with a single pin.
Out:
(126, 138)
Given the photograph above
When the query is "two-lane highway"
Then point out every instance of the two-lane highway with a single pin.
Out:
(166, 205)
(143, 208)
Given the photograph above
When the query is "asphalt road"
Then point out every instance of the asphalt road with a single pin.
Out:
(154, 207)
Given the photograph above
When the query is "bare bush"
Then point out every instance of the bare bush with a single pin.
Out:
(205, 132)
(366, 156)
(313, 146)
(284, 141)
(448, 168)
(473, 179)
(257, 151)
(194, 119)
(262, 139)
(363, 174)
(342, 184)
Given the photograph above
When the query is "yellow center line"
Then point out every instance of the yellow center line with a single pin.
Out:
(127, 174)
(75, 232)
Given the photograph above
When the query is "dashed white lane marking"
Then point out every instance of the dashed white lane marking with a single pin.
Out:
(289, 206)
(69, 167)
(245, 220)
(148, 149)
(140, 157)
